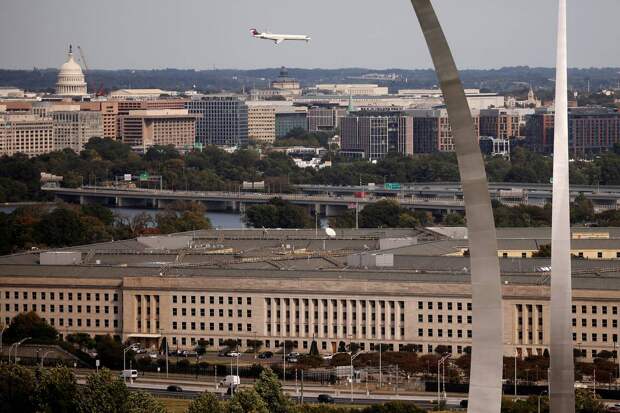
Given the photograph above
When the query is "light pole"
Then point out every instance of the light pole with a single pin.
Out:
(353, 357)
(125, 350)
(440, 365)
(516, 373)
(2, 332)
(283, 363)
(380, 371)
(44, 355)
(19, 343)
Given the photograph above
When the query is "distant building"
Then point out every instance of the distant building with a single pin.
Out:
(432, 131)
(325, 118)
(11, 92)
(355, 89)
(261, 122)
(71, 80)
(500, 123)
(145, 128)
(289, 118)
(224, 119)
(73, 128)
(283, 87)
(28, 134)
(140, 94)
(376, 133)
(590, 130)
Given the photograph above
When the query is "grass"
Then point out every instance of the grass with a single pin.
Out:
(175, 405)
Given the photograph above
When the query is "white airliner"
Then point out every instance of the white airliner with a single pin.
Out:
(278, 38)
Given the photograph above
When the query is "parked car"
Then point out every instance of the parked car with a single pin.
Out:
(265, 355)
(233, 354)
(327, 356)
(174, 388)
(325, 398)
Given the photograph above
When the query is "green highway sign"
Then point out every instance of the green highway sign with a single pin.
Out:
(392, 186)
(144, 176)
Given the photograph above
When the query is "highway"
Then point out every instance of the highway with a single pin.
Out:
(332, 200)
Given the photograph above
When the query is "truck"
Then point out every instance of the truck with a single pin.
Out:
(230, 380)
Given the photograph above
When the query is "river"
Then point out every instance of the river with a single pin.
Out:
(222, 220)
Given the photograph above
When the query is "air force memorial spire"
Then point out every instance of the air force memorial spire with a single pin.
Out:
(485, 385)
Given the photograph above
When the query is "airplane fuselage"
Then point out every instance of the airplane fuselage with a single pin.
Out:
(279, 38)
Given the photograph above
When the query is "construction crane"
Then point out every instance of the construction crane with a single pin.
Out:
(101, 90)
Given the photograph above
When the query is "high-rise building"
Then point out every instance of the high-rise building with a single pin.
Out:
(590, 130)
(432, 131)
(500, 123)
(261, 121)
(71, 80)
(224, 119)
(325, 118)
(28, 134)
(289, 118)
(73, 128)
(377, 133)
(145, 128)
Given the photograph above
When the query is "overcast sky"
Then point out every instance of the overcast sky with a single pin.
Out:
(203, 34)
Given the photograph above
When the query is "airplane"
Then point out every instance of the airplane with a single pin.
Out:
(278, 38)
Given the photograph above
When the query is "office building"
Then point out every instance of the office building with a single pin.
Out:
(502, 124)
(354, 89)
(432, 131)
(145, 128)
(261, 121)
(495, 146)
(27, 134)
(590, 130)
(224, 120)
(289, 118)
(325, 118)
(416, 290)
(376, 133)
(73, 128)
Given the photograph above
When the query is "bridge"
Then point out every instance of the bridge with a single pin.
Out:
(330, 200)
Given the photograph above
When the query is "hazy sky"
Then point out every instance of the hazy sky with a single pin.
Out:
(202, 34)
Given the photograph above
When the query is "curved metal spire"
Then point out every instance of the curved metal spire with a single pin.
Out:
(562, 368)
(485, 384)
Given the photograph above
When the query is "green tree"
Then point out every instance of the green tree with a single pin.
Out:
(269, 388)
(247, 401)
(17, 389)
(102, 393)
(60, 228)
(278, 214)
(314, 348)
(582, 210)
(142, 402)
(382, 214)
(110, 352)
(57, 390)
(455, 220)
(206, 403)
(586, 402)
(393, 407)
(30, 325)
(81, 340)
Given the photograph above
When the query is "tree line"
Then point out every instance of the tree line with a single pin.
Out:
(105, 161)
(62, 225)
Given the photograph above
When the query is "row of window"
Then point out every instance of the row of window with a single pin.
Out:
(202, 299)
(440, 333)
(335, 316)
(595, 337)
(79, 322)
(440, 318)
(43, 295)
(61, 308)
(202, 326)
(595, 323)
(193, 312)
(595, 308)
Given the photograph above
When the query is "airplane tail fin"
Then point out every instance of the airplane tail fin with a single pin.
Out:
(254, 32)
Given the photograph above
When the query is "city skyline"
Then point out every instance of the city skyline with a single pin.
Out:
(203, 36)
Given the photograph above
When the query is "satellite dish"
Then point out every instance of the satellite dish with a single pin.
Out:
(330, 232)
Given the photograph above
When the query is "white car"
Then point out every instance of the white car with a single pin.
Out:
(327, 356)
(233, 354)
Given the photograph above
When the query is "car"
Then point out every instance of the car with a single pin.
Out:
(174, 388)
(292, 359)
(233, 354)
(293, 354)
(153, 356)
(265, 355)
(325, 398)
(327, 356)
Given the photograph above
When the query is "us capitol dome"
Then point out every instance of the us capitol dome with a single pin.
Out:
(71, 78)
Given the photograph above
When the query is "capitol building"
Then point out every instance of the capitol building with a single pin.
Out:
(71, 78)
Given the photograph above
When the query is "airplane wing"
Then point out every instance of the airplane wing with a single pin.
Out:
(280, 40)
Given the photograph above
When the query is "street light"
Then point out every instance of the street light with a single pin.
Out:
(19, 343)
(44, 355)
(440, 364)
(125, 350)
(353, 357)
(2, 332)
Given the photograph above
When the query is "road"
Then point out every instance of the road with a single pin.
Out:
(193, 389)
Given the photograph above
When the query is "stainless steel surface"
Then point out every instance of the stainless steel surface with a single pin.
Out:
(485, 391)
(562, 390)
